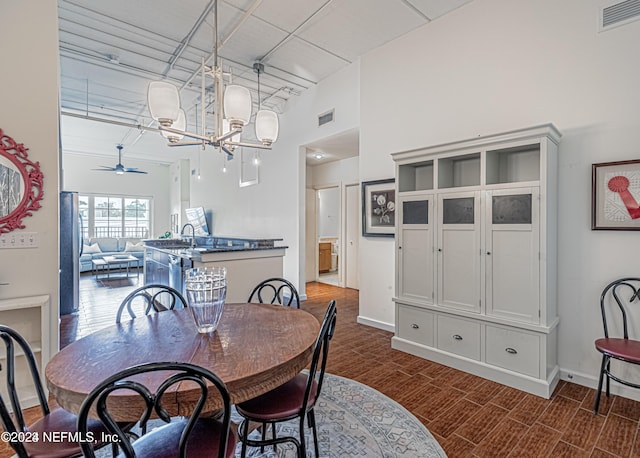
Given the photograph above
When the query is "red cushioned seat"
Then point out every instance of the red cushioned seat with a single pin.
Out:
(624, 349)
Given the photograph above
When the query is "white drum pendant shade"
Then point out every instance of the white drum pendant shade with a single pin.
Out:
(164, 101)
(180, 124)
(237, 104)
(267, 126)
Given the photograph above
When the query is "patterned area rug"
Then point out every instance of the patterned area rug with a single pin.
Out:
(352, 420)
(356, 420)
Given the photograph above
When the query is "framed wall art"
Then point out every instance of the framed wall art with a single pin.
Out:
(616, 196)
(378, 208)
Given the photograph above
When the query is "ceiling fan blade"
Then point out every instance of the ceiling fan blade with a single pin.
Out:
(104, 169)
(135, 171)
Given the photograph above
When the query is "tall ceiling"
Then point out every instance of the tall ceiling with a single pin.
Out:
(111, 50)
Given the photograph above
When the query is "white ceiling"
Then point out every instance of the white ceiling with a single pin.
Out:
(110, 50)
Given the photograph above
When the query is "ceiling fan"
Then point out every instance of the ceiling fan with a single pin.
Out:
(119, 168)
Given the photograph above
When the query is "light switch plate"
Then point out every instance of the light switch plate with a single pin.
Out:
(19, 240)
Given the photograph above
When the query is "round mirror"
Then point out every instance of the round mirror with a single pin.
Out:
(20, 184)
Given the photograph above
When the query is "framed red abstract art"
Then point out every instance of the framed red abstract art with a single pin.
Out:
(616, 196)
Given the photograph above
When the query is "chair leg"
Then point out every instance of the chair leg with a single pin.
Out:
(603, 366)
(264, 435)
(312, 423)
(244, 426)
(607, 374)
(303, 446)
(273, 435)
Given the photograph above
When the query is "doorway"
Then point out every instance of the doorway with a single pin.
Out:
(328, 235)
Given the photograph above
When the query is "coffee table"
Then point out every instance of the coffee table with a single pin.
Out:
(108, 264)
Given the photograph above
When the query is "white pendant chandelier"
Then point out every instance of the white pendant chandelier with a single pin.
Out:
(231, 112)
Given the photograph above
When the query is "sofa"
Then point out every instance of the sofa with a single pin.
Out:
(99, 247)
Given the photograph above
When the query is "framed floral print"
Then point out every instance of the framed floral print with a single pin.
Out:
(616, 196)
(378, 208)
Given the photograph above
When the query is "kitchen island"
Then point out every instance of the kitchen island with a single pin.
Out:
(248, 261)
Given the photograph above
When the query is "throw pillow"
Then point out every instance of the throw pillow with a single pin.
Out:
(91, 249)
(134, 246)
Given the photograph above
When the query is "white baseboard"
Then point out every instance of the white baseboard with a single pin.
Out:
(539, 387)
(591, 381)
(376, 324)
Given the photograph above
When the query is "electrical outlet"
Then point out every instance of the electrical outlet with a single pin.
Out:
(19, 240)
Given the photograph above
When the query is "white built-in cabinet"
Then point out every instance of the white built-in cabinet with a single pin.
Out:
(476, 256)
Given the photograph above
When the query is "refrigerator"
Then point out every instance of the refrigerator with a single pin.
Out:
(71, 242)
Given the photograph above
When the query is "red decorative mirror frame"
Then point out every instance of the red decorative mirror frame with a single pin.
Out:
(21, 183)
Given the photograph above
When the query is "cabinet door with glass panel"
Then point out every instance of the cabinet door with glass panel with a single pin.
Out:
(415, 273)
(512, 254)
(458, 250)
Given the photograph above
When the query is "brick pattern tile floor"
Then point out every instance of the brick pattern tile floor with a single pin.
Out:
(468, 415)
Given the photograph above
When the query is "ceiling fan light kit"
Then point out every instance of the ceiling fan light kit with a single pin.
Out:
(232, 107)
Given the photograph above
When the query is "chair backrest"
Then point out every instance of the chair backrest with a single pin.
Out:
(276, 290)
(149, 299)
(625, 293)
(320, 354)
(180, 373)
(17, 346)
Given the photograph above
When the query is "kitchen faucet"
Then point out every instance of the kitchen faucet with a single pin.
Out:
(193, 234)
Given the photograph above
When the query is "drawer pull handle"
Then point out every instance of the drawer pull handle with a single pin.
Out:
(511, 351)
(415, 326)
(457, 337)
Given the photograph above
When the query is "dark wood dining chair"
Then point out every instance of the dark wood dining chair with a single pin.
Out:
(294, 399)
(615, 304)
(276, 291)
(27, 440)
(150, 299)
(191, 435)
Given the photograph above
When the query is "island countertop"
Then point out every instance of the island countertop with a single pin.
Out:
(248, 261)
(212, 244)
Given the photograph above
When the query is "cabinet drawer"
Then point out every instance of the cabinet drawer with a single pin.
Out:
(415, 324)
(459, 336)
(513, 350)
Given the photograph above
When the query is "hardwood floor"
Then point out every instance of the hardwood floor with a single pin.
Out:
(468, 415)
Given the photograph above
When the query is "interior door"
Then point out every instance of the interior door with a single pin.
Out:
(351, 247)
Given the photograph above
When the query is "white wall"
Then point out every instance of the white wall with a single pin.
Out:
(275, 206)
(333, 173)
(79, 176)
(29, 114)
(496, 65)
(329, 212)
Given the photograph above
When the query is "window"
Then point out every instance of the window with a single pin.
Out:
(115, 216)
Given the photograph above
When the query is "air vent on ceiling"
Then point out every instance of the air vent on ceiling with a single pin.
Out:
(325, 117)
(619, 13)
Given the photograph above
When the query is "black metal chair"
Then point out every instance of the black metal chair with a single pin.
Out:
(619, 295)
(185, 436)
(27, 440)
(276, 290)
(149, 299)
(294, 399)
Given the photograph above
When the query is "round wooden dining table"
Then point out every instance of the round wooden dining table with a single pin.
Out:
(256, 348)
